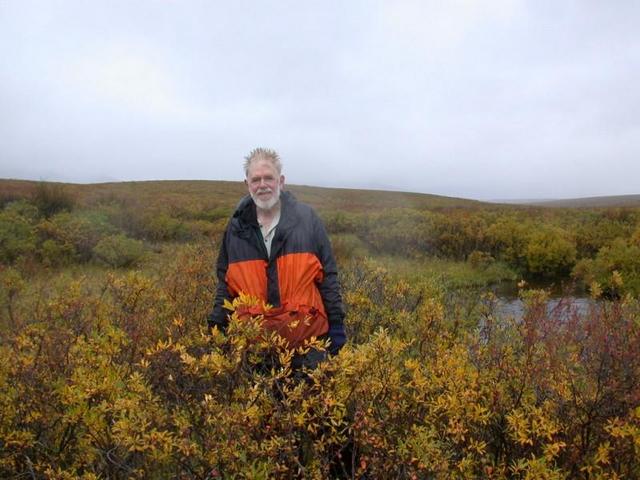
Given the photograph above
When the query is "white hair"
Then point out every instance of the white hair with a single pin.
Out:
(262, 154)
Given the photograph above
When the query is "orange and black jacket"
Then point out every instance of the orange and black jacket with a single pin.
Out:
(299, 279)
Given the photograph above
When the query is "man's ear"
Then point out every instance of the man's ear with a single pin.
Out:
(281, 181)
(245, 182)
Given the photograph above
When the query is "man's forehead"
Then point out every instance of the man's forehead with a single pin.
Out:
(262, 166)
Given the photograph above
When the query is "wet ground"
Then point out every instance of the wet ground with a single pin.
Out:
(563, 299)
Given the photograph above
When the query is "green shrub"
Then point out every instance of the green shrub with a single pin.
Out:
(212, 214)
(347, 247)
(17, 236)
(12, 284)
(127, 214)
(162, 227)
(400, 231)
(7, 198)
(616, 268)
(24, 208)
(51, 198)
(507, 239)
(458, 233)
(119, 251)
(205, 228)
(339, 222)
(479, 260)
(55, 254)
(597, 231)
(635, 237)
(78, 231)
(550, 252)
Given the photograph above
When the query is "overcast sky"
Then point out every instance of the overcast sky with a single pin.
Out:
(491, 100)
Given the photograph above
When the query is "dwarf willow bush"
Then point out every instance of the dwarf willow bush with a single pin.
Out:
(17, 236)
(52, 198)
(116, 377)
(615, 269)
(119, 250)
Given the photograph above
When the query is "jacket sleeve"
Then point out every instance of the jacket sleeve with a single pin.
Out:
(218, 317)
(330, 288)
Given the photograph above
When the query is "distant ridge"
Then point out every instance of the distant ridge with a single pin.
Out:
(521, 201)
(592, 202)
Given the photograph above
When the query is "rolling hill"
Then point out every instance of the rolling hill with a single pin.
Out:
(218, 193)
(214, 193)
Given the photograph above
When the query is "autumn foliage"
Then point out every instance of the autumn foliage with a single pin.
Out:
(109, 371)
(118, 379)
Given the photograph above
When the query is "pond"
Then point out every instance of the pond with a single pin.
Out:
(563, 299)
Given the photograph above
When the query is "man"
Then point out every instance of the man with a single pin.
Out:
(276, 249)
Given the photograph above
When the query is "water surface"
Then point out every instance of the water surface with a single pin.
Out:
(563, 300)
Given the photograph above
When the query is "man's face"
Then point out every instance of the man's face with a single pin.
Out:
(264, 184)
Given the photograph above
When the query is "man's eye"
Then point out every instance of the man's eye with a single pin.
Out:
(263, 179)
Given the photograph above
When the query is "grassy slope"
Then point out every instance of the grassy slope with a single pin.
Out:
(212, 194)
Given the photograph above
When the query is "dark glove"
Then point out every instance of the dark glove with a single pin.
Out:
(337, 338)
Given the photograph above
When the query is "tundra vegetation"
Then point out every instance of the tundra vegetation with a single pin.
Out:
(108, 370)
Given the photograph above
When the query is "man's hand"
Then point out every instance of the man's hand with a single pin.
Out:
(337, 337)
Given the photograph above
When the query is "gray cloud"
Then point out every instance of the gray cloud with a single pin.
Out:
(506, 99)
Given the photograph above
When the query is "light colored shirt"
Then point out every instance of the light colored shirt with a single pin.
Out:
(269, 233)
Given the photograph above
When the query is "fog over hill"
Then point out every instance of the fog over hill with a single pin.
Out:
(582, 202)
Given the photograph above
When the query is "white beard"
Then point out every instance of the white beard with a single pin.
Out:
(267, 204)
